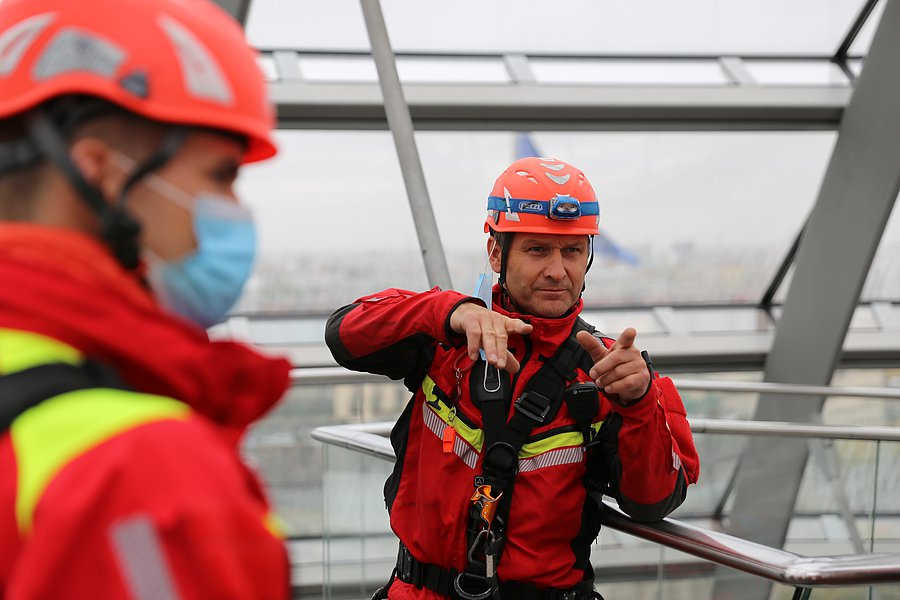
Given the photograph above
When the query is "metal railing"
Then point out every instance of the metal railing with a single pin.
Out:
(339, 375)
(780, 566)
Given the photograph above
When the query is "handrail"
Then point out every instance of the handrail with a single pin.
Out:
(363, 432)
(773, 564)
(339, 375)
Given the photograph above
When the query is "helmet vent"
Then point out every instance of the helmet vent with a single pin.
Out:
(17, 39)
(557, 179)
(559, 167)
(74, 50)
(528, 175)
(203, 77)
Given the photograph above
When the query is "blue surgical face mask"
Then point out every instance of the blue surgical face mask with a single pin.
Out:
(205, 284)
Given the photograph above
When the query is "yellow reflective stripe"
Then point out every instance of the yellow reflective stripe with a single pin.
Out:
(20, 350)
(275, 525)
(561, 440)
(475, 437)
(52, 434)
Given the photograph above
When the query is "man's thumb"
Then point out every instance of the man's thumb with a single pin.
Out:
(592, 345)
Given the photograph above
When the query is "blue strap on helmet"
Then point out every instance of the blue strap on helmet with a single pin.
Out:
(560, 208)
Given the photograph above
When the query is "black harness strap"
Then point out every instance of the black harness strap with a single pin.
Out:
(440, 580)
(504, 437)
(26, 389)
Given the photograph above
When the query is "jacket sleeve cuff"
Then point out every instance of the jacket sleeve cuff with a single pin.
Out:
(642, 408)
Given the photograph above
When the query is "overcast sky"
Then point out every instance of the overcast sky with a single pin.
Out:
(654, 188)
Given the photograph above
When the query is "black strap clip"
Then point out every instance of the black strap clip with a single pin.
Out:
(533, 405)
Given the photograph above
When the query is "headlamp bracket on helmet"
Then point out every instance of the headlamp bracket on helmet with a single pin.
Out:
(565, 208)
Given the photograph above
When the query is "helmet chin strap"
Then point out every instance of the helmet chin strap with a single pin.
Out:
(118, 229)
(114, 231)
(590, 261)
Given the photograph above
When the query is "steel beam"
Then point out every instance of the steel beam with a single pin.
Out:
(239, 9)
(505, 107)
(398, 117)
(835, 253)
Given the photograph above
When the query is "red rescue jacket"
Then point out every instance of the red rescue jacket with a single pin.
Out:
(135, 492)
(552, 522)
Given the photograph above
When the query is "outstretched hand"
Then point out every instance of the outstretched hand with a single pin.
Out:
(619, 370)
(487, 329)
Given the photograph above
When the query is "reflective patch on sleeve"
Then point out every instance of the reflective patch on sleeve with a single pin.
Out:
(142, 559)
(275, 525)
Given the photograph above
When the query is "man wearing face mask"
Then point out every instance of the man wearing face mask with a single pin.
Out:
(121, 240)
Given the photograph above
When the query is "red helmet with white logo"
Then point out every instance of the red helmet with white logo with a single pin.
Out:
(543, 195)
(184, 62)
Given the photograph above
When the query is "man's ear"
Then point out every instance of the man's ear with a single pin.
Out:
(93, 157)
(494, 253)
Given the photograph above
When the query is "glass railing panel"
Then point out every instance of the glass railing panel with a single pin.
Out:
(358, 548)
(291, 462)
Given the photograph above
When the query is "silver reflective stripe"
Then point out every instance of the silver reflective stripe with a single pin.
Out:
(510, 215)
(203, 76)
(142, 560)
(18, 38)
(553, 458)
(460, 447)
(558, 167)
(558, 180)
(74, 50)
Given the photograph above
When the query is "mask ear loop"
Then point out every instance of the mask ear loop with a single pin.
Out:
(117, 226)
(487, 263)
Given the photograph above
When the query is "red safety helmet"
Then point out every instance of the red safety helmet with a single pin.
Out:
(184, 62)
(543, 195)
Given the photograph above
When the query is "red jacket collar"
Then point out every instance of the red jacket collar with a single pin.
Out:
(65, 285)
(547, 333)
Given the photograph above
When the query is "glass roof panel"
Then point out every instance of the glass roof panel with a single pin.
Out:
(356, 68)
(329, 228)
(795, 72)
(338, 68)
(686, 217)
(883, 281)
(267, 65)
(565, 26)
(620, 71)
(860, 45)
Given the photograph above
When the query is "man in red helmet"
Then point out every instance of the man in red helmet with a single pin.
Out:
(121, 240)
(520, 411)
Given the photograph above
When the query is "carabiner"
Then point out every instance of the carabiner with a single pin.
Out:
(484, 383)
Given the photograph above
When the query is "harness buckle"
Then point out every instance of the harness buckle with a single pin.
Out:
(534, 410)
(483, 589)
